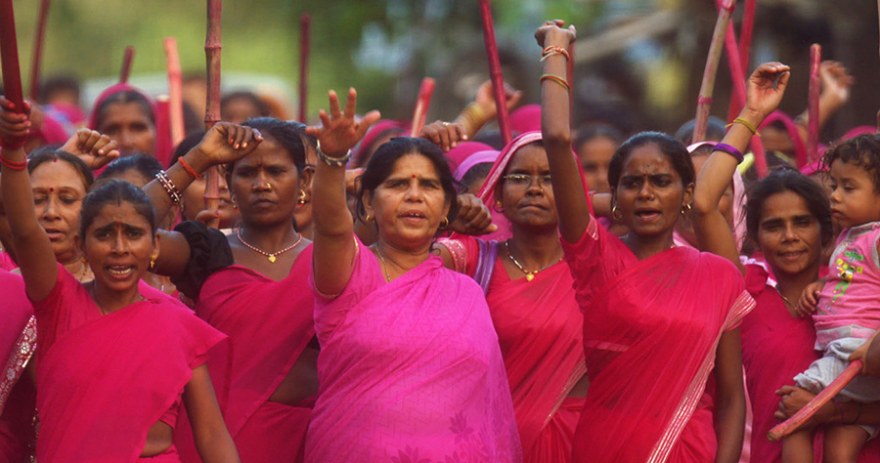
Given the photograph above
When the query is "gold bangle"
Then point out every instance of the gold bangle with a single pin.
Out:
(747, 125)
(559, 80)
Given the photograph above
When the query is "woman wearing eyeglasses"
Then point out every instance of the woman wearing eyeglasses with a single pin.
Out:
(531, 299)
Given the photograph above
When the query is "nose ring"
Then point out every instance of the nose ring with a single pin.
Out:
(268, 186)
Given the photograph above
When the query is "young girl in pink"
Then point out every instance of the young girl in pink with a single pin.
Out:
(846, 311)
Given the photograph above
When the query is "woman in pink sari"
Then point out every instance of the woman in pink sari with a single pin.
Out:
(789, 219)
(530, 294)
(660, 322)
(410, 368)
(251, 284)
(114, 361)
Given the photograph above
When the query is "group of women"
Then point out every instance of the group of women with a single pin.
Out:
(330, 324)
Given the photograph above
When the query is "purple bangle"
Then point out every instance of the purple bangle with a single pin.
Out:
(737, 154)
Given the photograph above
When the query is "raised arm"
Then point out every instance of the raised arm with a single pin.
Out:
(334, 245)
(224, 143)
(765, 89)
(33, 251)
(568, 190)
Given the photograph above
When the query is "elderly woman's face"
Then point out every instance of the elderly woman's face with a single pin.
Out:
(410, 204)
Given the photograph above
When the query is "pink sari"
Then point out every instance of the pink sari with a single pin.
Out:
(539, 327)
(269, 324)
(651, 329)
(777, 346)
(18, 340)
(410, 371)
(126, 370)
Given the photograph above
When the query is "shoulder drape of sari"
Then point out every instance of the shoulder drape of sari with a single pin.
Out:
(18, 340)
(124, 369)
(269, 324)
(540, 330)
(410, 371)
(651, 329)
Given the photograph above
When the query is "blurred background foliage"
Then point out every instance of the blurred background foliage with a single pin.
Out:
(646, 78)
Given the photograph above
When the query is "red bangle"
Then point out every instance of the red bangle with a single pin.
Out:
(13, 165)
(188, 168)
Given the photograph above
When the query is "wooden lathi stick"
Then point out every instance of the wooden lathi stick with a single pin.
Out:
(813, 104)
(127, 60)
(39, 38)
(707, 87)
(305, 22)
(801, 416)
(9, 63)
(175, 91)
(424, 102)
(495, 73)
(212, 106)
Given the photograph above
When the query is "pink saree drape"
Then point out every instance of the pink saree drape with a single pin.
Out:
(125, 371)
(18, 340)
(410, 371)
(651, 329)
(269, 324)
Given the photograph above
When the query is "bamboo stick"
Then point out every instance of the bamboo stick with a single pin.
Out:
(422, 104)
(39, 38)
(175, 91)
(305, 22)
(495, 73)
(9, 63)
(127, 60)
(801, 416)
(813, 104)
(707, 87)
(212, 106)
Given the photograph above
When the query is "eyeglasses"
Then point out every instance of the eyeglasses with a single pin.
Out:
(524, 180)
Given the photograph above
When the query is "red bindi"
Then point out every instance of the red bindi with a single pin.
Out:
(51, 189)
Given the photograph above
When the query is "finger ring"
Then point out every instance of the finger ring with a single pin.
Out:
(446, 124)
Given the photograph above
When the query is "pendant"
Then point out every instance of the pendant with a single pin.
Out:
(272, 258)
(530, 276)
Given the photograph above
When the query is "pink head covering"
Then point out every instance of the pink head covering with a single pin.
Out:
(526, 119)
(462, 151)
(377, 130)
(859, 130)
(51, 131)
(113, 90)
(480, 157)
(800, 149)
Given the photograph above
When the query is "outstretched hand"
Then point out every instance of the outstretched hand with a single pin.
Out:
(554, 33)
(14, 123)
(93, 148)
(836, 82)
(340, 130)
(227, 142)
(766, 86)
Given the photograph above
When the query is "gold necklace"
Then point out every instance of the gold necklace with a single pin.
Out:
(530, 275)
(271, 256)
(384, 265)
(784, 299)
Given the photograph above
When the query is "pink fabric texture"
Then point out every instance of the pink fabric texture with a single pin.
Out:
(269, 324)
(377, 130)
(539, 326)
(410, 371)
(480, 157)
(526, 119)
(849, 296)
(462, 151)
(125, 369)
(651, 329)
(17, 394)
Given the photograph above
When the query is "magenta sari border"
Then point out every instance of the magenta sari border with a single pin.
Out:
(24, 349)
(740, 307)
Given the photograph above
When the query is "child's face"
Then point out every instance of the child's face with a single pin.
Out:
(854, 197)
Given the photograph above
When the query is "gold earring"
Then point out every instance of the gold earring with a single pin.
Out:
(368, 218)
(153, 258)
(302, 197)
(615, 214)
(498, 206)
(444, 223)
(685, 208)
